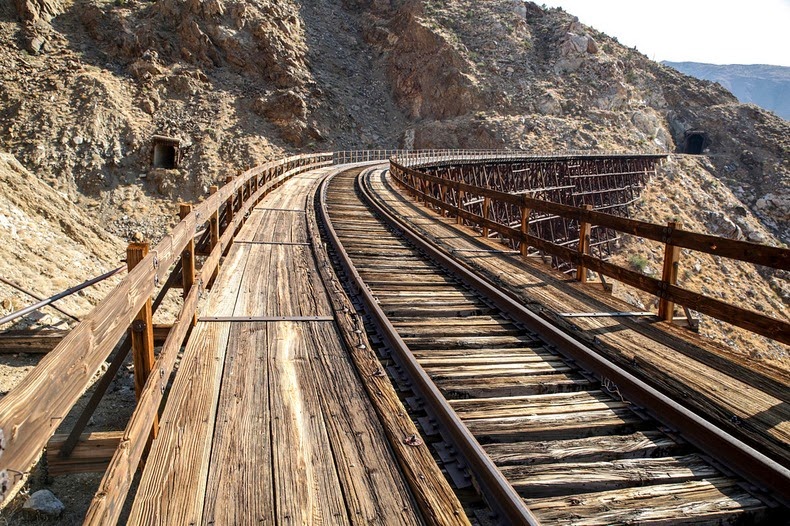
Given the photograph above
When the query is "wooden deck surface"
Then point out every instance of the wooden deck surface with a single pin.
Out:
(267, 421)
(751, 401)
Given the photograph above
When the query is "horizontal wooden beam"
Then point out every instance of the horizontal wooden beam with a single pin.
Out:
(43, 341)
(91, 454)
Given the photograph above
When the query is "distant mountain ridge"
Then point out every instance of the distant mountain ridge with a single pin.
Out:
(760, 84)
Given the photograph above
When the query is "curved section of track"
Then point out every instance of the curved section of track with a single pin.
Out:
(544, 440)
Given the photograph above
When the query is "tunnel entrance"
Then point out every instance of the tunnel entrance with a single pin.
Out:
(695, 142)
(165, 152)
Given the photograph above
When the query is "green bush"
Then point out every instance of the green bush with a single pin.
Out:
(637, 262)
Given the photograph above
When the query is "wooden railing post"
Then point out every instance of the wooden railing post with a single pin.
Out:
(214, 231)
(229, 207)
(486, 207)
(461, 196)
(524, 229)
(584, 247)
(141, 331)
(188, 259)
(669, 276)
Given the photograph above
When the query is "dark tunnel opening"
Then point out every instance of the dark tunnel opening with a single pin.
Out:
(164, 156)
(695, 143)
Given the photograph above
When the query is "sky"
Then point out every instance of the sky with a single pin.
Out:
(712, 31)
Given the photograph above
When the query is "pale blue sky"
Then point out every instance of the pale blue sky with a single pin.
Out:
(717, 32)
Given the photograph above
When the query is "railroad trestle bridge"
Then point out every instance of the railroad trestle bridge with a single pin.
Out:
(373, 336)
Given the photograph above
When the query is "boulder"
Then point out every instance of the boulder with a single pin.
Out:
(44, 502)
(38, 11)
(774, 206)
(721, 225)
(281, 106)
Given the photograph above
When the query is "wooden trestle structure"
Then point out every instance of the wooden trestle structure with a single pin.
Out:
(605, 184)
(510, 216)
(279, 411)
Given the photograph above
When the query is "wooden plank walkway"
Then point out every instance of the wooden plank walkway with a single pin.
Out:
(267, 421)
(749, 401)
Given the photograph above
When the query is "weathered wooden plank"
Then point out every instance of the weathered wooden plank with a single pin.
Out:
(535, 405)
(240, 489)
(33, 342)
(648, 444)
(92, 453)
(545, 480)
(557, 426)
(374, 488)
(513, 385)
(713, 502)
(491, 370)
(471, 342)
(306, 484)
(172, 486)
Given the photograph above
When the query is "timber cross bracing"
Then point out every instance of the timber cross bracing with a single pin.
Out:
(269, 306)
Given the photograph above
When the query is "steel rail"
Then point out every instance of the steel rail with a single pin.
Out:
(59, 295)
(37, 297)
(499, 493)
(763, 472)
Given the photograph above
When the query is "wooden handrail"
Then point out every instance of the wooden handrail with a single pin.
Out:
(31, 412)
(775, 257)
(730, 248)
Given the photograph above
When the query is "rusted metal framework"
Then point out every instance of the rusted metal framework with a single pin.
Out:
(607, 184)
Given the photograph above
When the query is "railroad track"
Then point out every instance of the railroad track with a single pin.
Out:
(546, 439)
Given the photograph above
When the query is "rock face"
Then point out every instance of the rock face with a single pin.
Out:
(35, 16)
(45, 503)
(49, 243)
(430, 78)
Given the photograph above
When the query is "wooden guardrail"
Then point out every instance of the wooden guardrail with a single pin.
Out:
(427, 187)
(31, 412)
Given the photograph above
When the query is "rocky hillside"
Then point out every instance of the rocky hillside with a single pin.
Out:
(85, 84)
(760, 84)
(49, 244)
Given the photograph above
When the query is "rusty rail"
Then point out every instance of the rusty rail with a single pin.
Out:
(745, 460)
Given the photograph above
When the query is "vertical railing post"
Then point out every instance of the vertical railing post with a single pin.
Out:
(461, 196)
(214, 232)
(142, 332)
(584, 247)
(486, 207)
(524, 229)
(229, 207)
(669, 276)
(188, 259)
